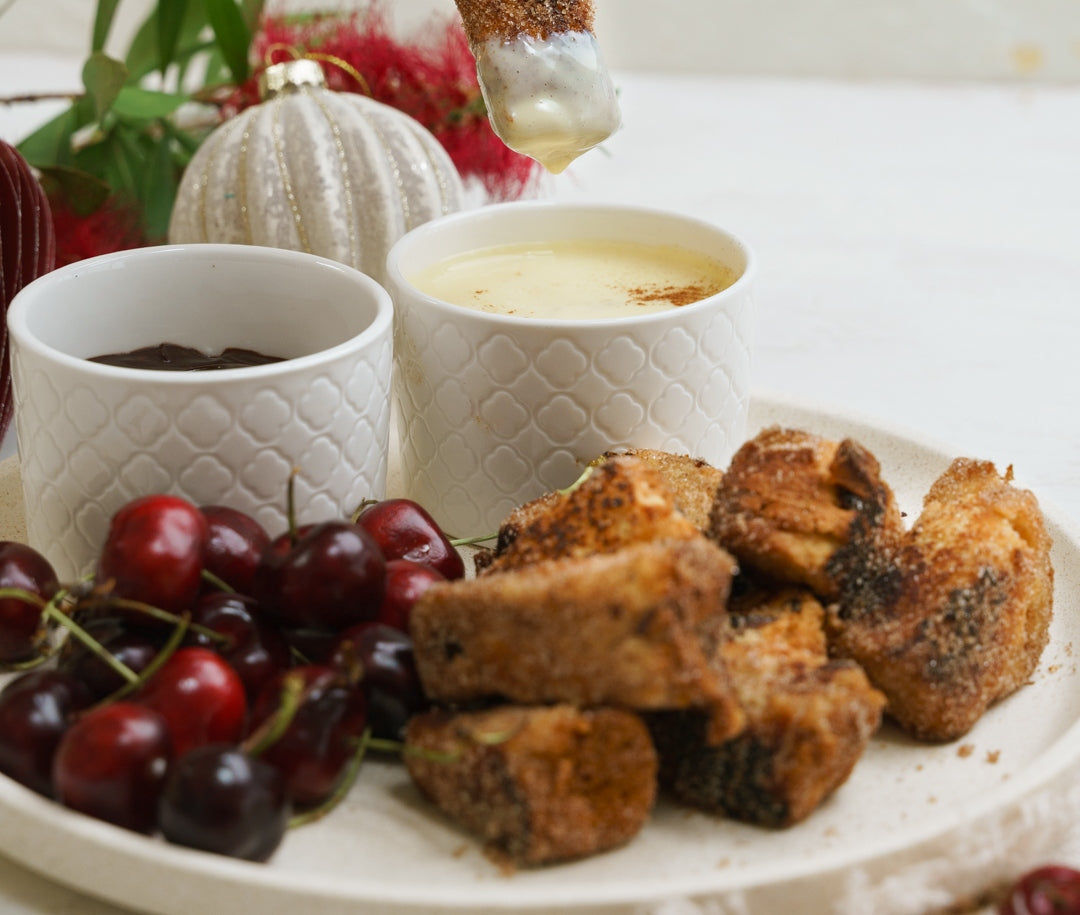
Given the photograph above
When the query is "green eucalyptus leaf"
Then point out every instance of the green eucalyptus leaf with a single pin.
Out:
(170, 19)
(103, 77)
(103, 20)
(252, 11)
(232, 35)
(159, 191)
(50, 144)
(134, 102)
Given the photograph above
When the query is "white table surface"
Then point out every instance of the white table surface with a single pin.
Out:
(919, 253)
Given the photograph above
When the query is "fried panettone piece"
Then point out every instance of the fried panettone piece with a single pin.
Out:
(806, 510)
(692, 481)
(620, 500)
(635, 628)
(808, 721)
(962, 619)
(537, 784)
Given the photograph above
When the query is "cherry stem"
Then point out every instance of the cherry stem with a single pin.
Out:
(176, 637)
(341, 790)
(469, 541)
(217, 582)
(290, 504)
(164, 616)
(293, 694)
(54, 614)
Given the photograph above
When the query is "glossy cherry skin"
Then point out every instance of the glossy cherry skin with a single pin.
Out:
(254, 648)
(200, 697)
(36, 709)
(111, 764)
(235, 542)
(1053, 889)
(381, 658)
(316, 748)
(24, 568)
(406, 580)
(405, 530)
(153, 552)
(331, 576)
(219, 799)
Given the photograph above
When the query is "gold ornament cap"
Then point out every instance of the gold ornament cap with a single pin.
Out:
(289, 76)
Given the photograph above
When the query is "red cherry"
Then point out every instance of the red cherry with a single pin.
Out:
(111, 764)
(36, 709)
(254, 648)
(331, 576)
(234, 545)
(382, 658)
(20, 620)
(218, 799)
(1053, 889)
(154, 552)
(200, 697)
(404, 530)
(406, 580)
(315, 749)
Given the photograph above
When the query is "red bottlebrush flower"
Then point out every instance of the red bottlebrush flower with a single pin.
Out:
(433, 80)
(113, 226)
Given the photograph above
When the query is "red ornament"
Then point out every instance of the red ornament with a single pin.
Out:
(27, 250)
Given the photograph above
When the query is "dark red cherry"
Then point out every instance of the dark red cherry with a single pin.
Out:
(404, 530)
(24, 568)
(36, 709)
(154, 552)
(233, 547)
(381, 658)
(1053, 889)
(322, 738)
(406, 580)
(219, 799)
(253, 647)
(111, 764)
(331, 576)
(200, 697)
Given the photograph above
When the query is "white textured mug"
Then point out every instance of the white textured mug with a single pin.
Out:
(494, 409)
(93, 436)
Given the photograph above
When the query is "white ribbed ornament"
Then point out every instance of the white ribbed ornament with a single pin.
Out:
(330, 173)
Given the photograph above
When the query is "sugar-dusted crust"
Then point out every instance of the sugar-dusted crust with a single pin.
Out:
(808, 721)
(635, 628)
(621, 500)
(508, 19)
(961, 619)
(806, 510)
(537, 784)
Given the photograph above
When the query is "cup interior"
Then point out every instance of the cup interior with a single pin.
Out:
(542, 221)
(277, 302)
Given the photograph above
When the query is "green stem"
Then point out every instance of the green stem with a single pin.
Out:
(292, 697)
(341, 790)
(54, 614)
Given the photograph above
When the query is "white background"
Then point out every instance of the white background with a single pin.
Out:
(924, 39)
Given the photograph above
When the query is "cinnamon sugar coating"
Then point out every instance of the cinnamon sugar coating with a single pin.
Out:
(961, 619)
(537, 784)
(508, 19)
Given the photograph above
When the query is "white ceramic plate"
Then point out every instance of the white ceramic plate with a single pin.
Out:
(914, 824)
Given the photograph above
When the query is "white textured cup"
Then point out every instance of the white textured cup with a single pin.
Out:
(494, 409)
(93, 436)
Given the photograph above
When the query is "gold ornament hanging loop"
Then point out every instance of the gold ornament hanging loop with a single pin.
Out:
(338, 62)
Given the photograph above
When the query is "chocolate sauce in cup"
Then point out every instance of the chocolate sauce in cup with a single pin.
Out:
(173, 357)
